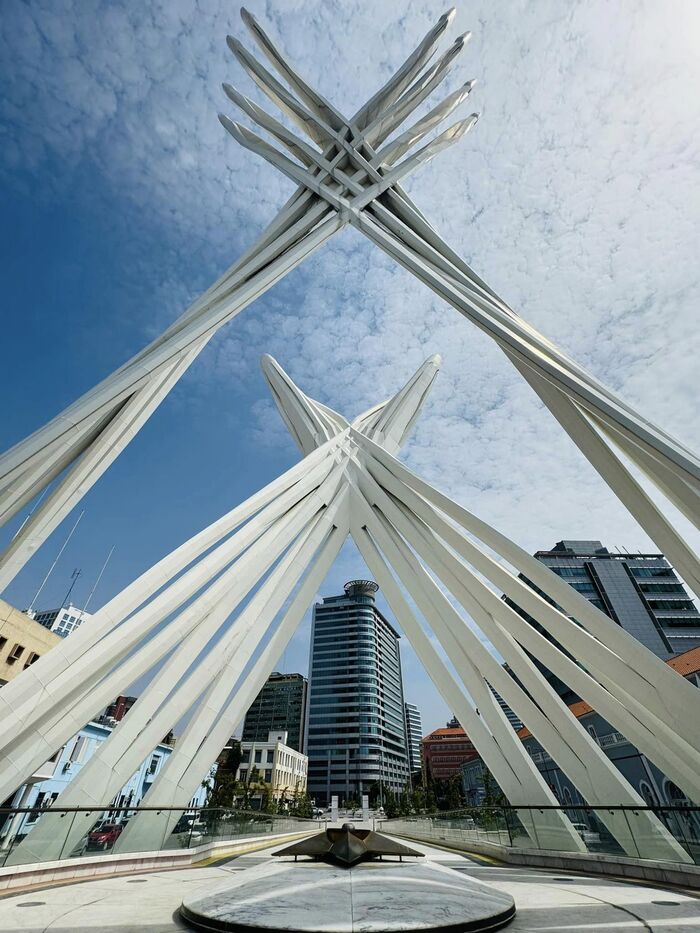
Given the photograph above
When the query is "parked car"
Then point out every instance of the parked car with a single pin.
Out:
(104, 836)
(588, 835)
(198, 832)
(184, 824)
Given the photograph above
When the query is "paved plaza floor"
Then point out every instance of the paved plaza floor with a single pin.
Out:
(547, 901)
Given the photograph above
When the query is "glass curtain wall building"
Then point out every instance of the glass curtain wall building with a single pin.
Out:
(414, 734)
(355, 725)
(641, 592)
(279, 707)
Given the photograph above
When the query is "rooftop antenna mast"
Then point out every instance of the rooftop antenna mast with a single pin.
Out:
(95, 584)
(74, 579)
(56, 559)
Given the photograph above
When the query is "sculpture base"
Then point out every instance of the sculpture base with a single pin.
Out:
(373, 897)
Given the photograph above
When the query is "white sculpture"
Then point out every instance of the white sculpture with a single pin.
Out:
(280, 544)
(350, 174)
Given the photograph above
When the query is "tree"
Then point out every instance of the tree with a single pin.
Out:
(493, 795)
(454, 799)
(391, 804)
(419, 799)
(301, 804)
(225, 790)
(233, 759)
(268, 803)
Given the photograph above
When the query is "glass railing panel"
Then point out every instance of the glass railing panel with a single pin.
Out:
(674, 834)
(78, 833)
(603, 830)
(684, 823)
(92, 832)
(179, 829)
(664, 833)
(521, 828)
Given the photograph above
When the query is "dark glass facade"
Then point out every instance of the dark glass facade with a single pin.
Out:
(279, 707)
(641, 592)
(356, 733)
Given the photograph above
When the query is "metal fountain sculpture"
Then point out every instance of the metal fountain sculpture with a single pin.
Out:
(347, 846)
(349, 173)
(275, 549)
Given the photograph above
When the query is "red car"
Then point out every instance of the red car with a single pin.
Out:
(104, 836)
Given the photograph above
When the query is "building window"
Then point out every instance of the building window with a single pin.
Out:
(15, 654)
(270, 755)
(268, 775)
(33, 656)
(78, 751)
(243, 774)
(3, 642)
(39, 804)
(648, 794)
(153, 766)
(245, 755)
(258, 755)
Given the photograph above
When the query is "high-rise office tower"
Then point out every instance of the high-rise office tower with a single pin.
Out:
(279, 707)
(515, 720)
(641, 592)
(355, 723)
(414, 734)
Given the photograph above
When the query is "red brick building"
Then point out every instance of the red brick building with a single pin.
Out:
(444, 751)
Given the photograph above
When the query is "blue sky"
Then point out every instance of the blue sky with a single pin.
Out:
(576, 197)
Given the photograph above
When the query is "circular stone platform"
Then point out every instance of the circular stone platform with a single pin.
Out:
(372, 897)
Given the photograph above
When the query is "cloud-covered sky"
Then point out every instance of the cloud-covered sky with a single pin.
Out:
(576, 197)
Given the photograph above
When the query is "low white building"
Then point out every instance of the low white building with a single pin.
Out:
(62, 621)
(276, 763)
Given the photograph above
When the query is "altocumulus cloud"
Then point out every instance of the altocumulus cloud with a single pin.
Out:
(576, 197)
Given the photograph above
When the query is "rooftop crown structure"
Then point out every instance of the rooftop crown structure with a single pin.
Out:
(348, 171)
(417, 543)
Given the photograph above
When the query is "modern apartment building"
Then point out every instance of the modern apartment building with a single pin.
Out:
(62, 621)
(279, 707)
(641, 592)
(355, 723)
(414, 734)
